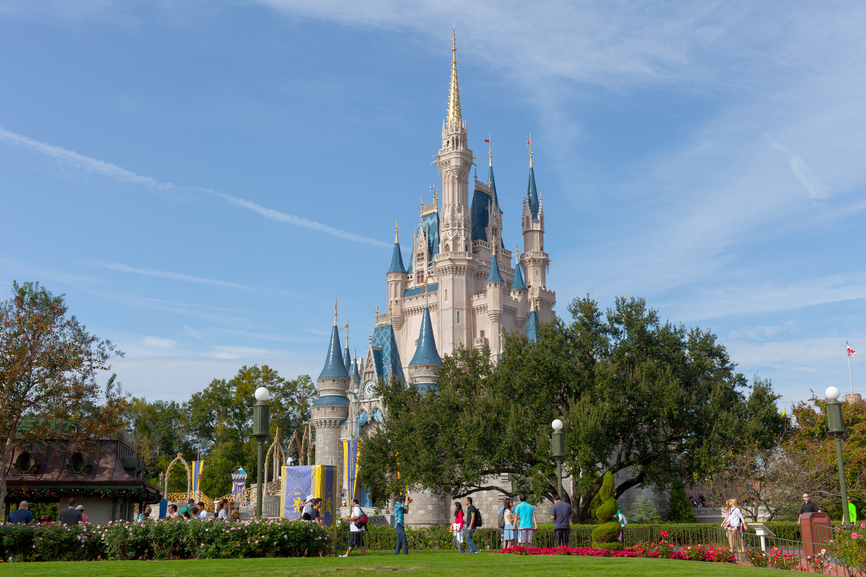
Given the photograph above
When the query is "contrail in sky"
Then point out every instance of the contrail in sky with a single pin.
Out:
(106, 169)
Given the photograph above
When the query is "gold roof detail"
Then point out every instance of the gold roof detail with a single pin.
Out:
(455, 117)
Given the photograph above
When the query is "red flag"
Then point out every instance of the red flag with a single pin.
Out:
(528, 142)
(851, 352)
(485, 140)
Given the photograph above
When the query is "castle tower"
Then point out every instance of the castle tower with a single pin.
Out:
(535, 260)
(397, 279)
(532, 324)
(332, 407)
(424, 366)
(518, 292)
(454, 266)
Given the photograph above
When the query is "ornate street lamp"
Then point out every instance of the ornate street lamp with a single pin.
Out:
(261, 417)
(836, 427)
(557, 447)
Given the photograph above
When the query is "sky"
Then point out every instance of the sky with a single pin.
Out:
(201, 179)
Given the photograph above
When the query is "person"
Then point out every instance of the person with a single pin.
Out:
(146, 515)
(500, 520)
(70, 515)
(235, 514)
(808, 506)
(307, 511)
(473, 523)
(186, 515)
(222, 510)
(400, 509)
(204, 514)
(172, 511)
(737, 523)
(147, 510)
(561, 514)
(356, 533)
(317, 512)
(622, 522)
(190, 505)
(84, 517)
(21, 516)
(457, 526)
(508, 534)
(525, 521)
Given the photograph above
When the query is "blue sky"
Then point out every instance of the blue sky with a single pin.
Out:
(201, 180)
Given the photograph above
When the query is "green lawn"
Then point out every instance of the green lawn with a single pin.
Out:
(435, 564)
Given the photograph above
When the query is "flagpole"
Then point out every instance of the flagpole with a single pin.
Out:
(850, 374)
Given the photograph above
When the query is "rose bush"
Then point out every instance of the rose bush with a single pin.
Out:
(167, 539)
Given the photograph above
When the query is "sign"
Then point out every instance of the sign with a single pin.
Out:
(316, 480)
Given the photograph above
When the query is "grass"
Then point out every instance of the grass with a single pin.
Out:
(417, 564)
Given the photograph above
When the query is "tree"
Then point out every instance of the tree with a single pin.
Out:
(679, 508)
(159, 431)
(48, 368)
(657, 401)
(221, 419)
(643, 511)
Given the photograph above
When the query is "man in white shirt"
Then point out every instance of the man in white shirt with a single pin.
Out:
(356, 533)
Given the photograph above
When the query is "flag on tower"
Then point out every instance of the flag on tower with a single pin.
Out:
(851, 352)
(528, 142)
(486, 140)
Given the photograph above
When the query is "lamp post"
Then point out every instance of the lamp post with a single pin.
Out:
(836, 427)
(261, 416)
(557, 447)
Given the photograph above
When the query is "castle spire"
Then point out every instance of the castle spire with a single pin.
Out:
(425, 353)
(531, 190)
(518, 283)
(455, 117)
(396, 257)
(494, 275)
(532, 323)
(347, 357)
(334, 366)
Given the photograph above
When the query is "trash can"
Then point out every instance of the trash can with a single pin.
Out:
(815, 531)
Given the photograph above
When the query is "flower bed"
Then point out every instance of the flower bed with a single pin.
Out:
(696, 553)
(169, 539)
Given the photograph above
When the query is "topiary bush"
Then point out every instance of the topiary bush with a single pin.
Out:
(606, 535)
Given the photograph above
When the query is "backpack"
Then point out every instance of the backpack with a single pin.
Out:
(500, 520)
(477, 518)
(361, 523)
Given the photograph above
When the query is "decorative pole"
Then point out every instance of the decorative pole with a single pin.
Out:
(261, 416)
(557, 447)
(836, 427)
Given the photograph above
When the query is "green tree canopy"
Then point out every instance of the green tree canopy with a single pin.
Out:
(659, 401)
(48, 369)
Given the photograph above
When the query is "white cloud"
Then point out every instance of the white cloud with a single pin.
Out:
(159, 343)
(169, 275)
(224, 352)
(810, 182)
(86, 164)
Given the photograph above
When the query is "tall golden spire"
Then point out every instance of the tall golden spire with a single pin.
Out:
(455, 117)
(529, 143)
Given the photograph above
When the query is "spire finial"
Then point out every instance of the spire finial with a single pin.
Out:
(347, 335)
(454, 115)
(531, 305)
(490, 149)
(529, 144)
(396, 229)
(377, 311)
(517, 254)
(335, 310)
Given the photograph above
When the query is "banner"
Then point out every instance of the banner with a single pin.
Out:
(239, 483)
(350, 469)
(197, 467)
(297, 482)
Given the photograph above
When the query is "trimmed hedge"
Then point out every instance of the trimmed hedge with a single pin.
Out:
(169, 539)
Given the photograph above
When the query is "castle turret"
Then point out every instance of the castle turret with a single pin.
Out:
(532, 324)
(535, 260)
(347, 356)
(518, 291)
(424, 366)
(397, 280)
(356, 374)
(494, 285)
(332, 407)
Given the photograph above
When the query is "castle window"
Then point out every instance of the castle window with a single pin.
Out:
(482, 334)
(446, 295)
(458, 317)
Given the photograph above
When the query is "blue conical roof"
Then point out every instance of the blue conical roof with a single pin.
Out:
(532, 194)
(397, 260)
(334, 367)
(425, 353)
(494, 275)
(532, 327)
(355, 375)
(347, 358)
(518, 283)
(492, 183)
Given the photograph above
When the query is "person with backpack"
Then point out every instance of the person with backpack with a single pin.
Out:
(357, 526)
(509, 534)
(474, 522)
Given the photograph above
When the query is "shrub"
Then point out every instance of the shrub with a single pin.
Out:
(167, 539)
(606, 535)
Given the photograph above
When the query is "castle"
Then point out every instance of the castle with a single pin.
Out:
(459, 290)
